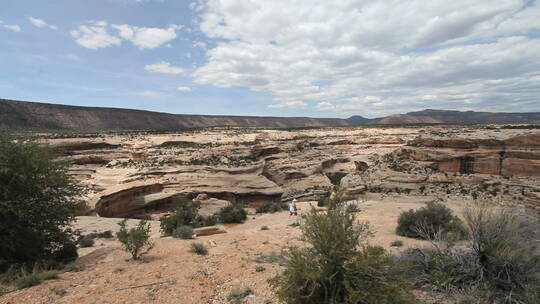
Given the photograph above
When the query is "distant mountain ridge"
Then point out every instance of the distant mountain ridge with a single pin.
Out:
(23, 115)
(457, 117)
(34, 116)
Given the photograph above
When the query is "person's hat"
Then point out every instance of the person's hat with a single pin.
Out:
(294, 200)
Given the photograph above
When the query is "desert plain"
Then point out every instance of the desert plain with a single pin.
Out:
(384, 171)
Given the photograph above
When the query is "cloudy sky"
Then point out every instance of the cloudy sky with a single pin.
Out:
(281, 57)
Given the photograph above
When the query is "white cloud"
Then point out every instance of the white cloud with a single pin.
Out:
(324, 106)
(200, 44)
(149, 94)
(163, 67)
(41, 23)
(11, 27)
(295, 104)
(147, 37)
(184, 89)
(377, 57)
(94, 35)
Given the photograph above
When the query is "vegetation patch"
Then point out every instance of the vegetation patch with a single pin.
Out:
(270, 207)
(429, 220)
(183, 232)
(238, 294)
(339, 266)
(499, 264)
(136, 240)
(233, 213)
(198, 248)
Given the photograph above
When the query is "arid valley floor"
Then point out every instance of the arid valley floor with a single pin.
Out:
(386, 171)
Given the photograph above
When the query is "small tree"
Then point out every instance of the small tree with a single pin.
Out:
(38, 200)
(135, 240)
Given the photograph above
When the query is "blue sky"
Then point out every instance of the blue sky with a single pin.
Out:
(284, 58)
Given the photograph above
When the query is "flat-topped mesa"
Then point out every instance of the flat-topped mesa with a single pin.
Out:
(515, 156)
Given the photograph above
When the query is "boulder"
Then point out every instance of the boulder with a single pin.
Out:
(263, 151)
(210, 230)
(360, 166)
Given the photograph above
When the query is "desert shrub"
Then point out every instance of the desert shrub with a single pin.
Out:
(183, 232)
(74, 267)
(265, 228)
(97, 235)
(86, 242)
(38, 202)
(233, 213)
(237, 294)
(433, 218)
(323, 200)
(500, 264)
(509, 262)
(205, 221)
(33, 279)
(135, 240)
(198, 248)
(260, 268)
(339, 266)
(58, 291)
(271, 207)
(184, 214)
(270, 258)
(397, 243)
(335, 178)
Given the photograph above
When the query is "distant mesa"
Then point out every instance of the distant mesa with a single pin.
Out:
(35, 116)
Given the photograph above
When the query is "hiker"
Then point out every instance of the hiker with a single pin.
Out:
(292, 208)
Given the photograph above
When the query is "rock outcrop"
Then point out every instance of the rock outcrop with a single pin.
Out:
(515, 156)
(161, 188)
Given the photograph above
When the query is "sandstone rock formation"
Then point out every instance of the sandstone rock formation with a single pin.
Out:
(515, 156)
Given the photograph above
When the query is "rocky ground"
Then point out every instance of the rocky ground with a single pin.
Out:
(387, 171)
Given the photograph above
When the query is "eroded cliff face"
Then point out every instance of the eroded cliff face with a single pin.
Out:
(140, 175)
(514, 156)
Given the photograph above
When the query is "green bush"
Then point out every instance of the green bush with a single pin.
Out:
(135, 240)
(39, 199)
(86, 242)
(339, 267)
(335, 178)
(271, 207)
(198, 248)
(429, 220)
(233, 213)
(183, 232)
(204, 221)
(323, 200)
(97, 235)
(185, 214)
(397, 243)
(34, 278)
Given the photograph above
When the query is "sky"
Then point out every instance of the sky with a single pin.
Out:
(315, 58)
